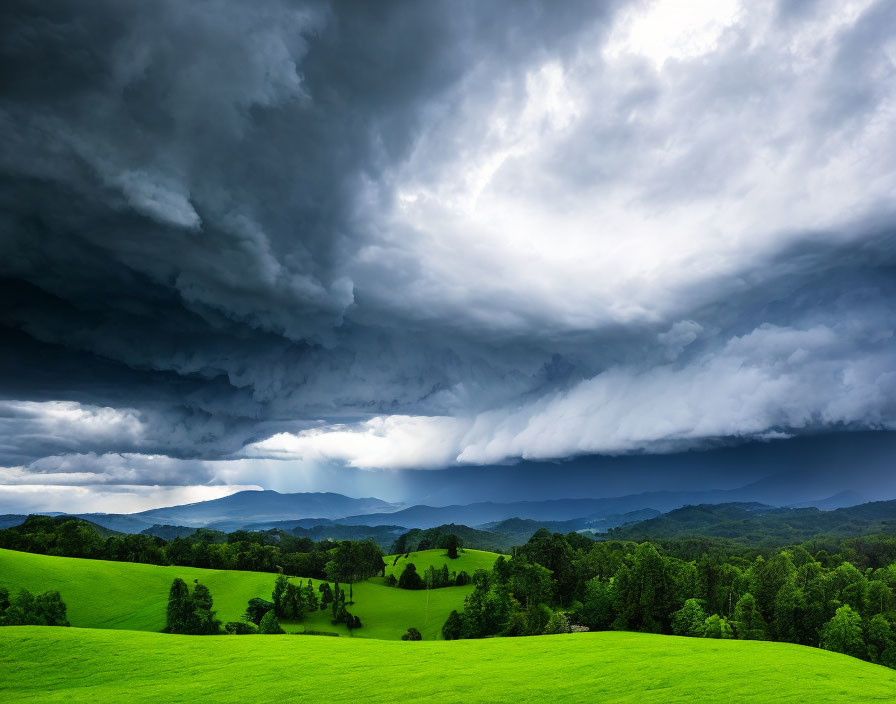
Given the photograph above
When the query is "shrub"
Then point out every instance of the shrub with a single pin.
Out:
(240, 628)
(270, 625)
(412, 634)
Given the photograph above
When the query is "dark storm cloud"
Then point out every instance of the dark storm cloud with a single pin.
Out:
(221, 222)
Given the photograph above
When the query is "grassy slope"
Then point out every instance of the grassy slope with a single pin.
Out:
(126, 595)
(468, 560)
(77, 665)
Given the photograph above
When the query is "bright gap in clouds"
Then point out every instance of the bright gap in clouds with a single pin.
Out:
(671, 29)
(35, 498)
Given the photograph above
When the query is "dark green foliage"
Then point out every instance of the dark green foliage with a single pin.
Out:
(463, 578)
(26, 609)
(412, 634)
(180, 610)
(452, 543)
(293, 603)
(390, 580)
(310, 597)
(278, 596)
(257, 609)
(597, 606)
(190, 614)
(269, 624)
(409, 578)
(758, 525)
(240, 628)
(326, 595)
(639, 587)
(352, 562)
(453, 627)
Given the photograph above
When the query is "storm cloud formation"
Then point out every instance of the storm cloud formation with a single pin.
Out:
(414, 235)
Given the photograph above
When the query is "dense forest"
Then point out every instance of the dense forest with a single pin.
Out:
(841, 600)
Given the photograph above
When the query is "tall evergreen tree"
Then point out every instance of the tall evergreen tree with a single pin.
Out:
(179, 615)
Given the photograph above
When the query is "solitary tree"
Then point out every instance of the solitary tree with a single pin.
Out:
(412, 634)
(452, 543)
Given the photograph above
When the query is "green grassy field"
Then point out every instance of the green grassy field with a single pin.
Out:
(468, 560)
(78, 665)
(125, 595)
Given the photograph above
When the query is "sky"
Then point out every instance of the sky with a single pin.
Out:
(250, 245)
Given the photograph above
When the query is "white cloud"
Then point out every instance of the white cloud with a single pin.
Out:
(118, 499)
(753, 386)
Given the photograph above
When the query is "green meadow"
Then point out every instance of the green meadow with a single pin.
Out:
(468, 561)
(43, 664)
(126, 595)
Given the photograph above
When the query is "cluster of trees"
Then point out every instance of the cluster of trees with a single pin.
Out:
(432, 578)
(557, 583)
(353, 561)
(190, 612)
(26, 609)
(294, 601)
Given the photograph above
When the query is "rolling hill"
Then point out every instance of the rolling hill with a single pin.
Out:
(126, 595)
(41, 664)
(758, 524)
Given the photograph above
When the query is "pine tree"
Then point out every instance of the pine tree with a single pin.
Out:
(453, 626)
(277, 596)
(311, 602)
(203, 621)
(180, 609)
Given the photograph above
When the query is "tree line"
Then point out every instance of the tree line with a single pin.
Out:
(27, 609)
(558, 583)
(258, 551)
(432, 578)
